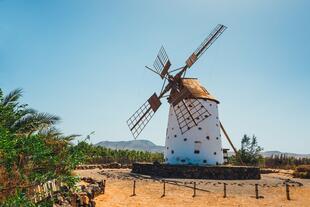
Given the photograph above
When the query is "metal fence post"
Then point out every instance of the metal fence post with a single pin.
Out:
(225, 195)
(134, 188)
(164, 189)
(287, 191)
(256, 191)
(103, 187)
(194, 195)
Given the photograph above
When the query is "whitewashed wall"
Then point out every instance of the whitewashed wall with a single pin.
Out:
(206, 137)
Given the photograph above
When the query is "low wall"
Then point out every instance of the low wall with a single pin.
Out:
(103, 166)
(197, 172)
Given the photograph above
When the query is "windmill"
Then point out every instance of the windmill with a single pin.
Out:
(193, 132)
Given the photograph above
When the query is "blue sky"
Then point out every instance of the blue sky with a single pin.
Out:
(84, 61)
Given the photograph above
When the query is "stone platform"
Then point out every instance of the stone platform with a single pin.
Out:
(197, 172)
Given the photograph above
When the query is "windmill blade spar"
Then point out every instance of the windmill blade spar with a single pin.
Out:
(143, 115)
(217, 31)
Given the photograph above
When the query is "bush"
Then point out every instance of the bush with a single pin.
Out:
(302, 171)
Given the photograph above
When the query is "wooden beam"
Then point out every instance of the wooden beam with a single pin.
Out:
(231, 144)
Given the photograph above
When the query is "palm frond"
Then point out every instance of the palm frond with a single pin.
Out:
(46, 119)
(50, 132)
(27, 111)
(12, 97)
(71, 137)
(35, 122)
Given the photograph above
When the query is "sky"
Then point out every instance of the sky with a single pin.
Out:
(84, 61)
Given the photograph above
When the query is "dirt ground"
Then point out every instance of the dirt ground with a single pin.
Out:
(179, 192)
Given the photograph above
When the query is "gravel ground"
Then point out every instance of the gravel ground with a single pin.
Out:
(179, 191)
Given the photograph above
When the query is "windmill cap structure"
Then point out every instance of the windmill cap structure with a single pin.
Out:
(191, 88)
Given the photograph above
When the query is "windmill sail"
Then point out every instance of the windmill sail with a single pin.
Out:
(218, 30)
(162, 63)
(189, 113)
(143, 115)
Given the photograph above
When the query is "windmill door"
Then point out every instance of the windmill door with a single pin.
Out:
(197, 147)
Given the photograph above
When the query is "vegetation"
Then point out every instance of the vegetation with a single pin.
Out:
(32, 151)
(284, 162)
(302, 171)
(249, 152)
(98, 155)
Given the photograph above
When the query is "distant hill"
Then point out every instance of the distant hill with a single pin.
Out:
(272, 153)
(142, 145)
(146, 145)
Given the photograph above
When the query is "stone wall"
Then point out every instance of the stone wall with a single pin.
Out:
(197, 172)
(113, 165)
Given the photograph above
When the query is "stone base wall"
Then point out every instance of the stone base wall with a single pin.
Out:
(197, 172)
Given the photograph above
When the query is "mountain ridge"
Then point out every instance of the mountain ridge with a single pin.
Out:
(141, 144)
(146, 145)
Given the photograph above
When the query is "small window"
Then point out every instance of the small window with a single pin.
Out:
(217, 125)
(199, 128)
(185, 139)
(172, 151)
(208, 137)
(217, 163)
(210, 104)
(214, 153)
(217, 117)
(197, 141)
(182, 160)
(217, 138)
(167, 147)
(175, 135)
(197, 118)
(196, 151)
(204, 161)
(206, 116)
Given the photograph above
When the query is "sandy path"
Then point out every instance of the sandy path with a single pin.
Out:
(240, 193)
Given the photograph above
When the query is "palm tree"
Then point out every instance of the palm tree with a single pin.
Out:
(21, 119)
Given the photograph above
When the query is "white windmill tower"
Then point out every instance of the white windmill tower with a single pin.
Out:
(193, 133)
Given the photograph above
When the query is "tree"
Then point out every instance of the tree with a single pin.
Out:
(19, 118)
(32, 150)
(249, 152)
